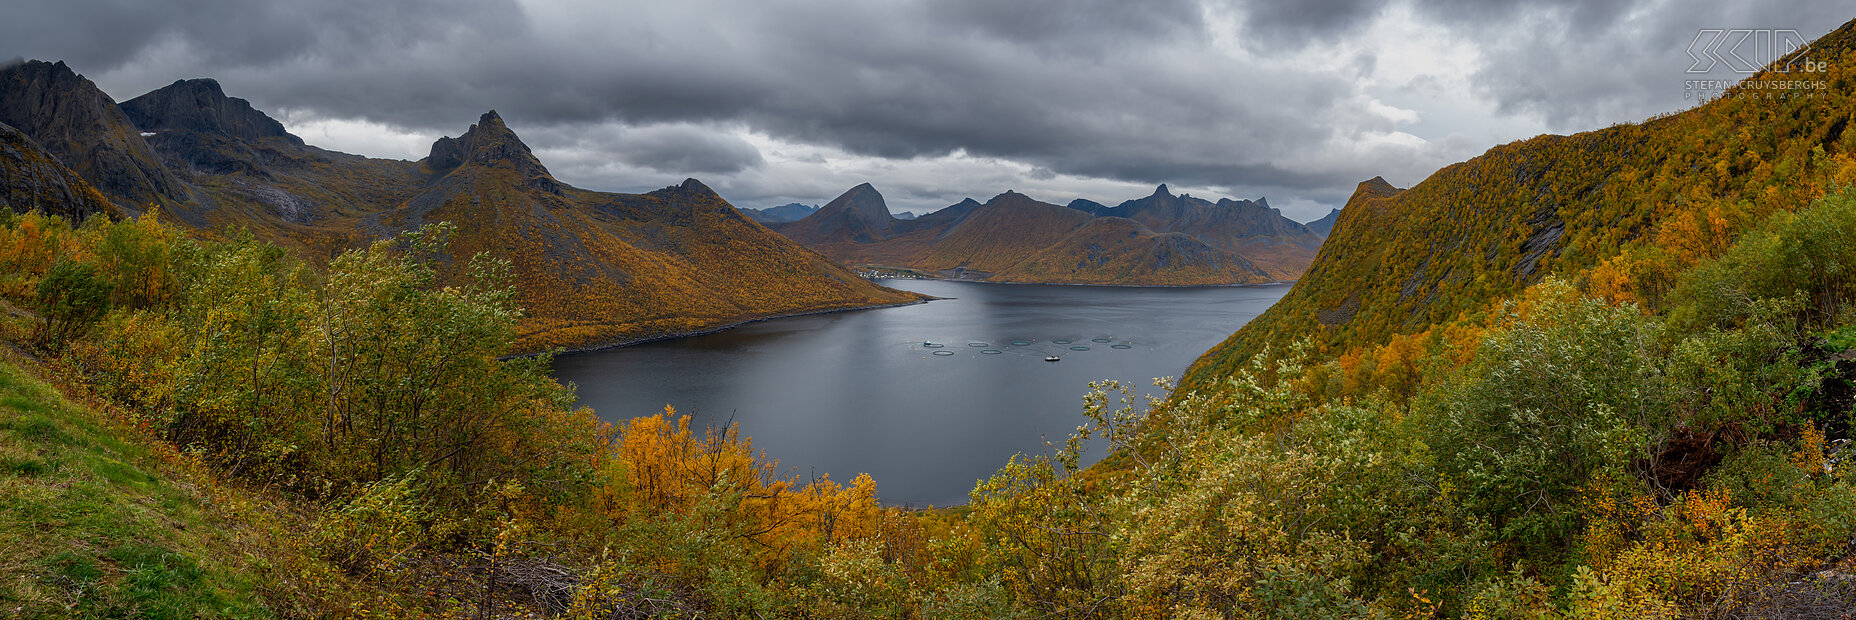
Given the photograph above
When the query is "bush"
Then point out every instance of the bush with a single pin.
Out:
(1562, 394)
(1809, 256)
(71, 298)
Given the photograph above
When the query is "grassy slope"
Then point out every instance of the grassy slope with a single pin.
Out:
(99, 523)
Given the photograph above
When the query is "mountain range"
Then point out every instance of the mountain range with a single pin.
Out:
(784, 213)
(1162, 239)
(1322, 227)
(591, 268)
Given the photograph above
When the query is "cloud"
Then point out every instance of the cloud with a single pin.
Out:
(1581, 65)
(1294, 23)
(790, 99)
(677, 148)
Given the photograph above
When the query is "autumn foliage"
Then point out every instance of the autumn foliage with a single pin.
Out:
(1610, 375)
(1622, 210)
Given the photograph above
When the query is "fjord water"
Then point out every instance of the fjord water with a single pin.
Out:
(860, 392)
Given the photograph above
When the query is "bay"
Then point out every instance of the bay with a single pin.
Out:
(927, 398)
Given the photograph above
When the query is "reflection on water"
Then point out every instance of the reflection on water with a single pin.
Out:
(927, 398)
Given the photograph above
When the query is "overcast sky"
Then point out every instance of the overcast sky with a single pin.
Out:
(775, 101)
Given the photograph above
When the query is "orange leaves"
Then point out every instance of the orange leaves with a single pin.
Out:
(1810, 455)
(1611, 281)
(669, 469)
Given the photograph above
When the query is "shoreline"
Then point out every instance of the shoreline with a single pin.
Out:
(1277, 283)
(722, 328)
(619, 344)
(921, 274)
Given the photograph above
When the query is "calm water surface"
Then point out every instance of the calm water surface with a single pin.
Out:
(859, 392)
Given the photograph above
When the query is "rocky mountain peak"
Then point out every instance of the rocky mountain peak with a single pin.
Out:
(862, 202)
(491, 143)
(76, 122)
(200, 105)
(694, 186)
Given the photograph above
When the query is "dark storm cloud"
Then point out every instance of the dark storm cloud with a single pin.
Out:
(1142, 92)
(1578, 64)
(1293, 23)
(1275, 23)
(1584, 64)
(100, 35)
(1074, 87)
(1085, 27)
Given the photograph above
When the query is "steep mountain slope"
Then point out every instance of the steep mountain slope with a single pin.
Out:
(199, 105)
(31, 178)
(1013, 238)
(80, 125)
(857, 216)
(596, 268)
(1621, 210)
(591, 268)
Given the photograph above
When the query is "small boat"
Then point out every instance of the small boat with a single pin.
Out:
(1052, 358)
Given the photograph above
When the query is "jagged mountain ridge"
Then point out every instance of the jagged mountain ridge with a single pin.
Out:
(1013, 238)
(1252, 229)
(76, 122)
(591, 268)
(201, 105)
(1159, 240)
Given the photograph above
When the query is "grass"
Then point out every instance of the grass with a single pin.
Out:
(94, 523)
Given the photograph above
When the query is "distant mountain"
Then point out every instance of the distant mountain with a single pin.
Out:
(32, 179)
(1013, 238)
(857, 216)
(1278, 245)
(76, 122)
(1325, 225)
(1091, 207)
(789, 212)
(906, 215)
(591, 268)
